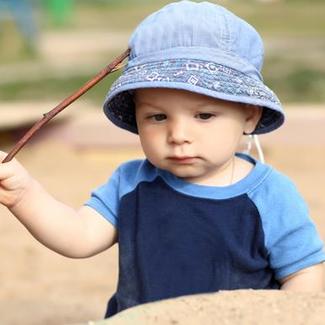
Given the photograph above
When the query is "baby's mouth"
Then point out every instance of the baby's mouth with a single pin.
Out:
(182, 159)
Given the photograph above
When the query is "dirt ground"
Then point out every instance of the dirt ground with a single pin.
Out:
(41, 287)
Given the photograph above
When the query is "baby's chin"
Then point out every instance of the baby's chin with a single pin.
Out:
(186, 173)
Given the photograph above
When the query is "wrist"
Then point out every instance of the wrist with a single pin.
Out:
(27, 195)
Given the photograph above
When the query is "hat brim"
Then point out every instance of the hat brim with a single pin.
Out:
(202, 77)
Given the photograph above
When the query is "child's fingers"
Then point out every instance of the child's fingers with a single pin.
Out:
(7, 198)
(4, 196)
(3, 155)
(6, 171)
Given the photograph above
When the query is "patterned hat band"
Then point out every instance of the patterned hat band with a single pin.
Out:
(199, 76)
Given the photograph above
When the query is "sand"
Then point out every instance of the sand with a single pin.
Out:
(229, 307)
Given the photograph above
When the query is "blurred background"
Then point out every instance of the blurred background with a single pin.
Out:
(48, 49)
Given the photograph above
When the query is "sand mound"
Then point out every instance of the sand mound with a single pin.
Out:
(229, 307)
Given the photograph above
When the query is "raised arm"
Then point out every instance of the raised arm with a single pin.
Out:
(71, 233)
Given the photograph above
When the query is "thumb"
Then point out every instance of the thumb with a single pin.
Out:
(3, 155)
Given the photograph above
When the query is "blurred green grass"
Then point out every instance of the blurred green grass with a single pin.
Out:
(49, 88)
(279, 18)
(293, 31)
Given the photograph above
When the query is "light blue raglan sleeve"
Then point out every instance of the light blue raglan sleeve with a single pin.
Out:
(291, 238)
(105, 198)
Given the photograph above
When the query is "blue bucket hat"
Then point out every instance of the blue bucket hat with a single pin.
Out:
(199, 47)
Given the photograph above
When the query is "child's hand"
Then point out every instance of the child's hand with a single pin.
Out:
(14, 181)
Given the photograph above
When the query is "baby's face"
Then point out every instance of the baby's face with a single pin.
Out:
(191, 135)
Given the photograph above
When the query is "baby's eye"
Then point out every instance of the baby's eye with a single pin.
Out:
(204, 116)
(158, 117)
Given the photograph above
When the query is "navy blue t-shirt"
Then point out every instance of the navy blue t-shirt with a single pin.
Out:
(178, 238)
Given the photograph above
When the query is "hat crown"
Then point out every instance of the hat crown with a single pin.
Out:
(187, 24)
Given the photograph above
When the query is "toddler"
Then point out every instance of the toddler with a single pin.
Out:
(195, 216)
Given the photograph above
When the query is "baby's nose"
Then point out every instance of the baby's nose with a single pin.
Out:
(179, 132)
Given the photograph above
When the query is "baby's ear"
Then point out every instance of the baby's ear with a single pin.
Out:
(254, 114)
